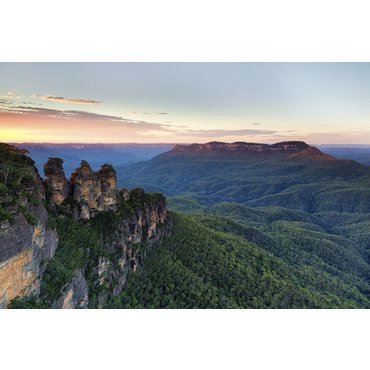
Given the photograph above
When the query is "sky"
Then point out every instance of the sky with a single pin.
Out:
(320, 103)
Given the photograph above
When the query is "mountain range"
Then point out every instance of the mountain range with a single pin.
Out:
(246, 226)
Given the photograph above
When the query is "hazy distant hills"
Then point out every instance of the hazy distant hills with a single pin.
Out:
(304, 178)
(124, 154)
(95, 154)
(261, 226)
(359, 153)
(252, 226)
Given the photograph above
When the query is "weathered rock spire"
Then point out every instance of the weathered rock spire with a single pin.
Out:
(108, 179)
(56, 180)
(94, 191)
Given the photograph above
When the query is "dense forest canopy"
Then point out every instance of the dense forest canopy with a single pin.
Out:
(309, 216)
(249, 230)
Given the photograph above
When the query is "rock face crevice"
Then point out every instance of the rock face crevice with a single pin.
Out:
(75, 294)
(25, 250)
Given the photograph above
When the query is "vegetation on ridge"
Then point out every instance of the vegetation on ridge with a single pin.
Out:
(250, 231)
(200, 267)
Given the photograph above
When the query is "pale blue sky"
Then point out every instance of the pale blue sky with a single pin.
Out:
(186, 102)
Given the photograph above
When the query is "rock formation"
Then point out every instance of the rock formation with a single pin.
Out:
(108, 179)
(26, 243)
(94, 191)
(56, 180)
(75, 294)
(132, 238)
(86, 187)
(128, 223)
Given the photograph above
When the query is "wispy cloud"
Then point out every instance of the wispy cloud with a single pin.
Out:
(10, 95)
(222, 133)
(31, 111)
(61, 99)
(149, 113)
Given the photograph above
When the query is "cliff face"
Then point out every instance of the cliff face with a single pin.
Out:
(129, 242)
(288, 147)
(110, 246)
(26, 244)
(122, 226)
(75, 294)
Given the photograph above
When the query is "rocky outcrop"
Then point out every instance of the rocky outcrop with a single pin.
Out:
(126, 223)
(130, 241)
(86, 187)
(56, 181)
(26, 244)
(108, 179)
(93, 191)
(128, 235)
(75, 294)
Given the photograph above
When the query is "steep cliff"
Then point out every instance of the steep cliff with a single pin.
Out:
(128, 236)
(290, 148)
(96, 256)
(56, 180)
(102, 234)
(26, 244)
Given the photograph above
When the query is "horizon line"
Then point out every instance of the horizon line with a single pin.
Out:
(138, 143)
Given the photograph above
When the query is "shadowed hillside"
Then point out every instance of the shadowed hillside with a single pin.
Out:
(308, 210)
(291, 174)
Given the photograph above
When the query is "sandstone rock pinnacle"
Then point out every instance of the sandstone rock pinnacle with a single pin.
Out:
(108, 179)
(94, 191)
(56, 180)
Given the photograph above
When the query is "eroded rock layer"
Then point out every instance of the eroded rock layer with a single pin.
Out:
(26, 243)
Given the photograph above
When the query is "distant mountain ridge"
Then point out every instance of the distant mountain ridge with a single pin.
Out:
(242, 146)
(299, 148)
(307, 209)
(269, 229)
(293, 175)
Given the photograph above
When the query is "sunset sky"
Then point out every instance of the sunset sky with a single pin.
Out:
(321, 103)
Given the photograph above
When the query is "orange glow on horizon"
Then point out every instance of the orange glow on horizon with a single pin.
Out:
(34, 128)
